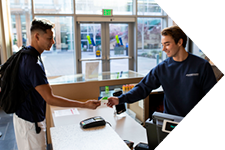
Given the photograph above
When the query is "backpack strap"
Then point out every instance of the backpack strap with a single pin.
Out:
(33, 53)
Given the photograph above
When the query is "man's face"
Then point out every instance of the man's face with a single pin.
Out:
(46, 39)
(169, 46)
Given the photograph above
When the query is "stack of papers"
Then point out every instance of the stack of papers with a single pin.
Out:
(66, 112)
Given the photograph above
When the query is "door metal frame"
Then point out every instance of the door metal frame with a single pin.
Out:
(105, 43)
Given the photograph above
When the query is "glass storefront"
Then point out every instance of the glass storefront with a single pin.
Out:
(62, 58)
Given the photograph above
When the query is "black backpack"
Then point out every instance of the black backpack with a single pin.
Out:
(12, 95)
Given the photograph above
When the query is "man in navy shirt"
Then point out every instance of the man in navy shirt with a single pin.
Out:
(32, 75)
(184, 77)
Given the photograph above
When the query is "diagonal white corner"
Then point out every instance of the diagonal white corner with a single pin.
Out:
(203, 127)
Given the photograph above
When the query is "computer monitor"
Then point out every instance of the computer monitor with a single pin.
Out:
(159, 127)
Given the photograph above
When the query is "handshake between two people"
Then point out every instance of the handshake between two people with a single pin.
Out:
(93, 104)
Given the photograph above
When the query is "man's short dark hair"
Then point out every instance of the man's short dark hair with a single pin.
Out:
(176, 34)
(41, 24)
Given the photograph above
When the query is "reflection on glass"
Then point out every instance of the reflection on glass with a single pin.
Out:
(149, 7)
(120, 7)
(53, 6)
(149, 44)
(118, 40)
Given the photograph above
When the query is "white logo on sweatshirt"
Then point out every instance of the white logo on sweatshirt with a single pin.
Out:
(192, 74)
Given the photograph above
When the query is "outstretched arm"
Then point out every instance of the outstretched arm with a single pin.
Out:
(142, 89)
(45, 91)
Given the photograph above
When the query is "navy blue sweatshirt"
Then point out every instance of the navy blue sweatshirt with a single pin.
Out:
(184, 83)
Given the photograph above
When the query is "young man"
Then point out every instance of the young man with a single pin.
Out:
(32, 74)
(185, 78)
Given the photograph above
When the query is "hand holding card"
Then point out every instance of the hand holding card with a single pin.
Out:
(104, 100)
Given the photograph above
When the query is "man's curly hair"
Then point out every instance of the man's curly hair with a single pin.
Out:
(176, 34)
(41, 24)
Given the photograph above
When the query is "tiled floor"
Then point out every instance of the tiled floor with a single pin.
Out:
(7, 140)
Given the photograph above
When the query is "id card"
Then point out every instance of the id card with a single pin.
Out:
(104, 100)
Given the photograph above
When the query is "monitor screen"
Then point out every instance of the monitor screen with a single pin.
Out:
(159, 127)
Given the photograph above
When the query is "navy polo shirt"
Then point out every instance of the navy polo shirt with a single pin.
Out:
(31, 74)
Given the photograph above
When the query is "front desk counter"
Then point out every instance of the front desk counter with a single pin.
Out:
(125, 126)
(77, 87)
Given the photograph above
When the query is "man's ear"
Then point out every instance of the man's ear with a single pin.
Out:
(180, 42)
(36, 36)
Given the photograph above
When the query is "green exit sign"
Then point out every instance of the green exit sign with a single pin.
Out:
(107, 12)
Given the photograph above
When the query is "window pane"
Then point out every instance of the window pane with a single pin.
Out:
(20, 23)
(148, 7)
(197, 51)
(119, 65)
(53, 6)
(90, 33)
(118, 40)
(120, 7)
(149, 44)
(60, 59)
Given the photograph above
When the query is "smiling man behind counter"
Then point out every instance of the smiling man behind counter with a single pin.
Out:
(185, 78)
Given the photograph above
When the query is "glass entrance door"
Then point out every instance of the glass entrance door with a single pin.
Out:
(104, 45)
(118, 47)
(91, 48)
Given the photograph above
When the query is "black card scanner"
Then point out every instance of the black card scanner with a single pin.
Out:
(92, 122)
(121, 107)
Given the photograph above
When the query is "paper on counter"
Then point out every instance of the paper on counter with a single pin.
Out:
(66, 112)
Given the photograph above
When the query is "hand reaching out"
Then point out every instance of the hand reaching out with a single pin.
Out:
(112, 101)
(92, 104)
